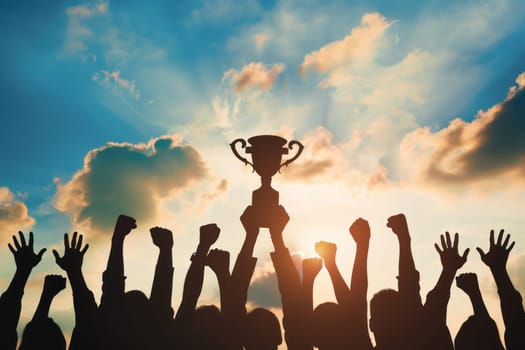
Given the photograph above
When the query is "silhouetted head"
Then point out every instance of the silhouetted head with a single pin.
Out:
(327, 329)
(43, 334)
(386, 317)
(137, 319)
(478, 333)
(262, 330)
(211, 331)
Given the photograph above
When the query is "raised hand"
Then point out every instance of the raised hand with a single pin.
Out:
(218, 260)
(311, 267)
(498, 253)
(450, 258)
(73, 253)
(326, 250)
(360, 231)
(279, 219)
(468, 282)
(162, 237)
(398, 224)
(209, 234)
(249, 221)
(124, 226)
(53, 284)
(25, 257)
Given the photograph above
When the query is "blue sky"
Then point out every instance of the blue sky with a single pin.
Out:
(372, 89)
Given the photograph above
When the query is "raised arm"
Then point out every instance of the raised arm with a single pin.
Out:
(162, 287)
(468, 282)
(311, 267)
(11, 299)
(113, 277)
(53, 285)
(327, 251)
(83, 299)
(245, 264)
(360, 231)
(510, 299)
(451, 261)
(295, 309)
(195, 276)
(408, 278)
(219, 261)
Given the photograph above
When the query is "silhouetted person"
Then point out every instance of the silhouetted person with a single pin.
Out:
(294, 303)
(349, 316)
(397, 318)
(86, 332)
(193, 328)
(11, 299)
(479, 331)
(42, 332)
(510, 299)
(262, 330)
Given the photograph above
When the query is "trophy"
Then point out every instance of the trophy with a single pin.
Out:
(266, 151)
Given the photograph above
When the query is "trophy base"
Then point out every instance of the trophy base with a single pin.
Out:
(265, 201)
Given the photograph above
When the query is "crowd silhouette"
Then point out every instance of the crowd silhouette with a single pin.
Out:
(399, 319)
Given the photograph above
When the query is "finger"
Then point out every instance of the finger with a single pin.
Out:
(443, 241)
(506, 241)
(74, 240)
(491, 238)
(481, 252)
(11, 248)
(465, 254)
(22, 239)
(83, 251)
(449, 243)
(57, 256)
(30, 239)
(41, 252)
(79, 243)
(15, 241)
(456, 238)
(66, 241)
(511, 246)
(500, 237)
(437, 248)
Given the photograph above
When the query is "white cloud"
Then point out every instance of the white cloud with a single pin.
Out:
(105, 78)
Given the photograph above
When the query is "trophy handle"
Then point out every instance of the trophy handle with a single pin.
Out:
(299, 151)
(234, 150)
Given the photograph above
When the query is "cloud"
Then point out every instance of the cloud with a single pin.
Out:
(255, 74)
(260, 40)
(129, 178)
(264, 290)
(490, 145)
(13, 214)
(77, 32)
(360, 44)
(106, 78)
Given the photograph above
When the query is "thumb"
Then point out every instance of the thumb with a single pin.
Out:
(465, 254)
(480, 251)
(57, 256)
(41, 252)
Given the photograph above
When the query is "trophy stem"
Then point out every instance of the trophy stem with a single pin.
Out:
(266, 182)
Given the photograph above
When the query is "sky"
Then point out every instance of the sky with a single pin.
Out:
(411, 107)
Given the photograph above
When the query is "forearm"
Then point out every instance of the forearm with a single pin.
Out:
(342, 293)
(510, 298)
(224, 290)
(477, 303)
(162, 287)
(408, 278)
(359, 282)
(308, 288)
(42, 311)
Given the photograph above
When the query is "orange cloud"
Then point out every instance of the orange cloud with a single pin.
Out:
(255, 74)
(14, 215)
(491, 145)
(360, 44)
